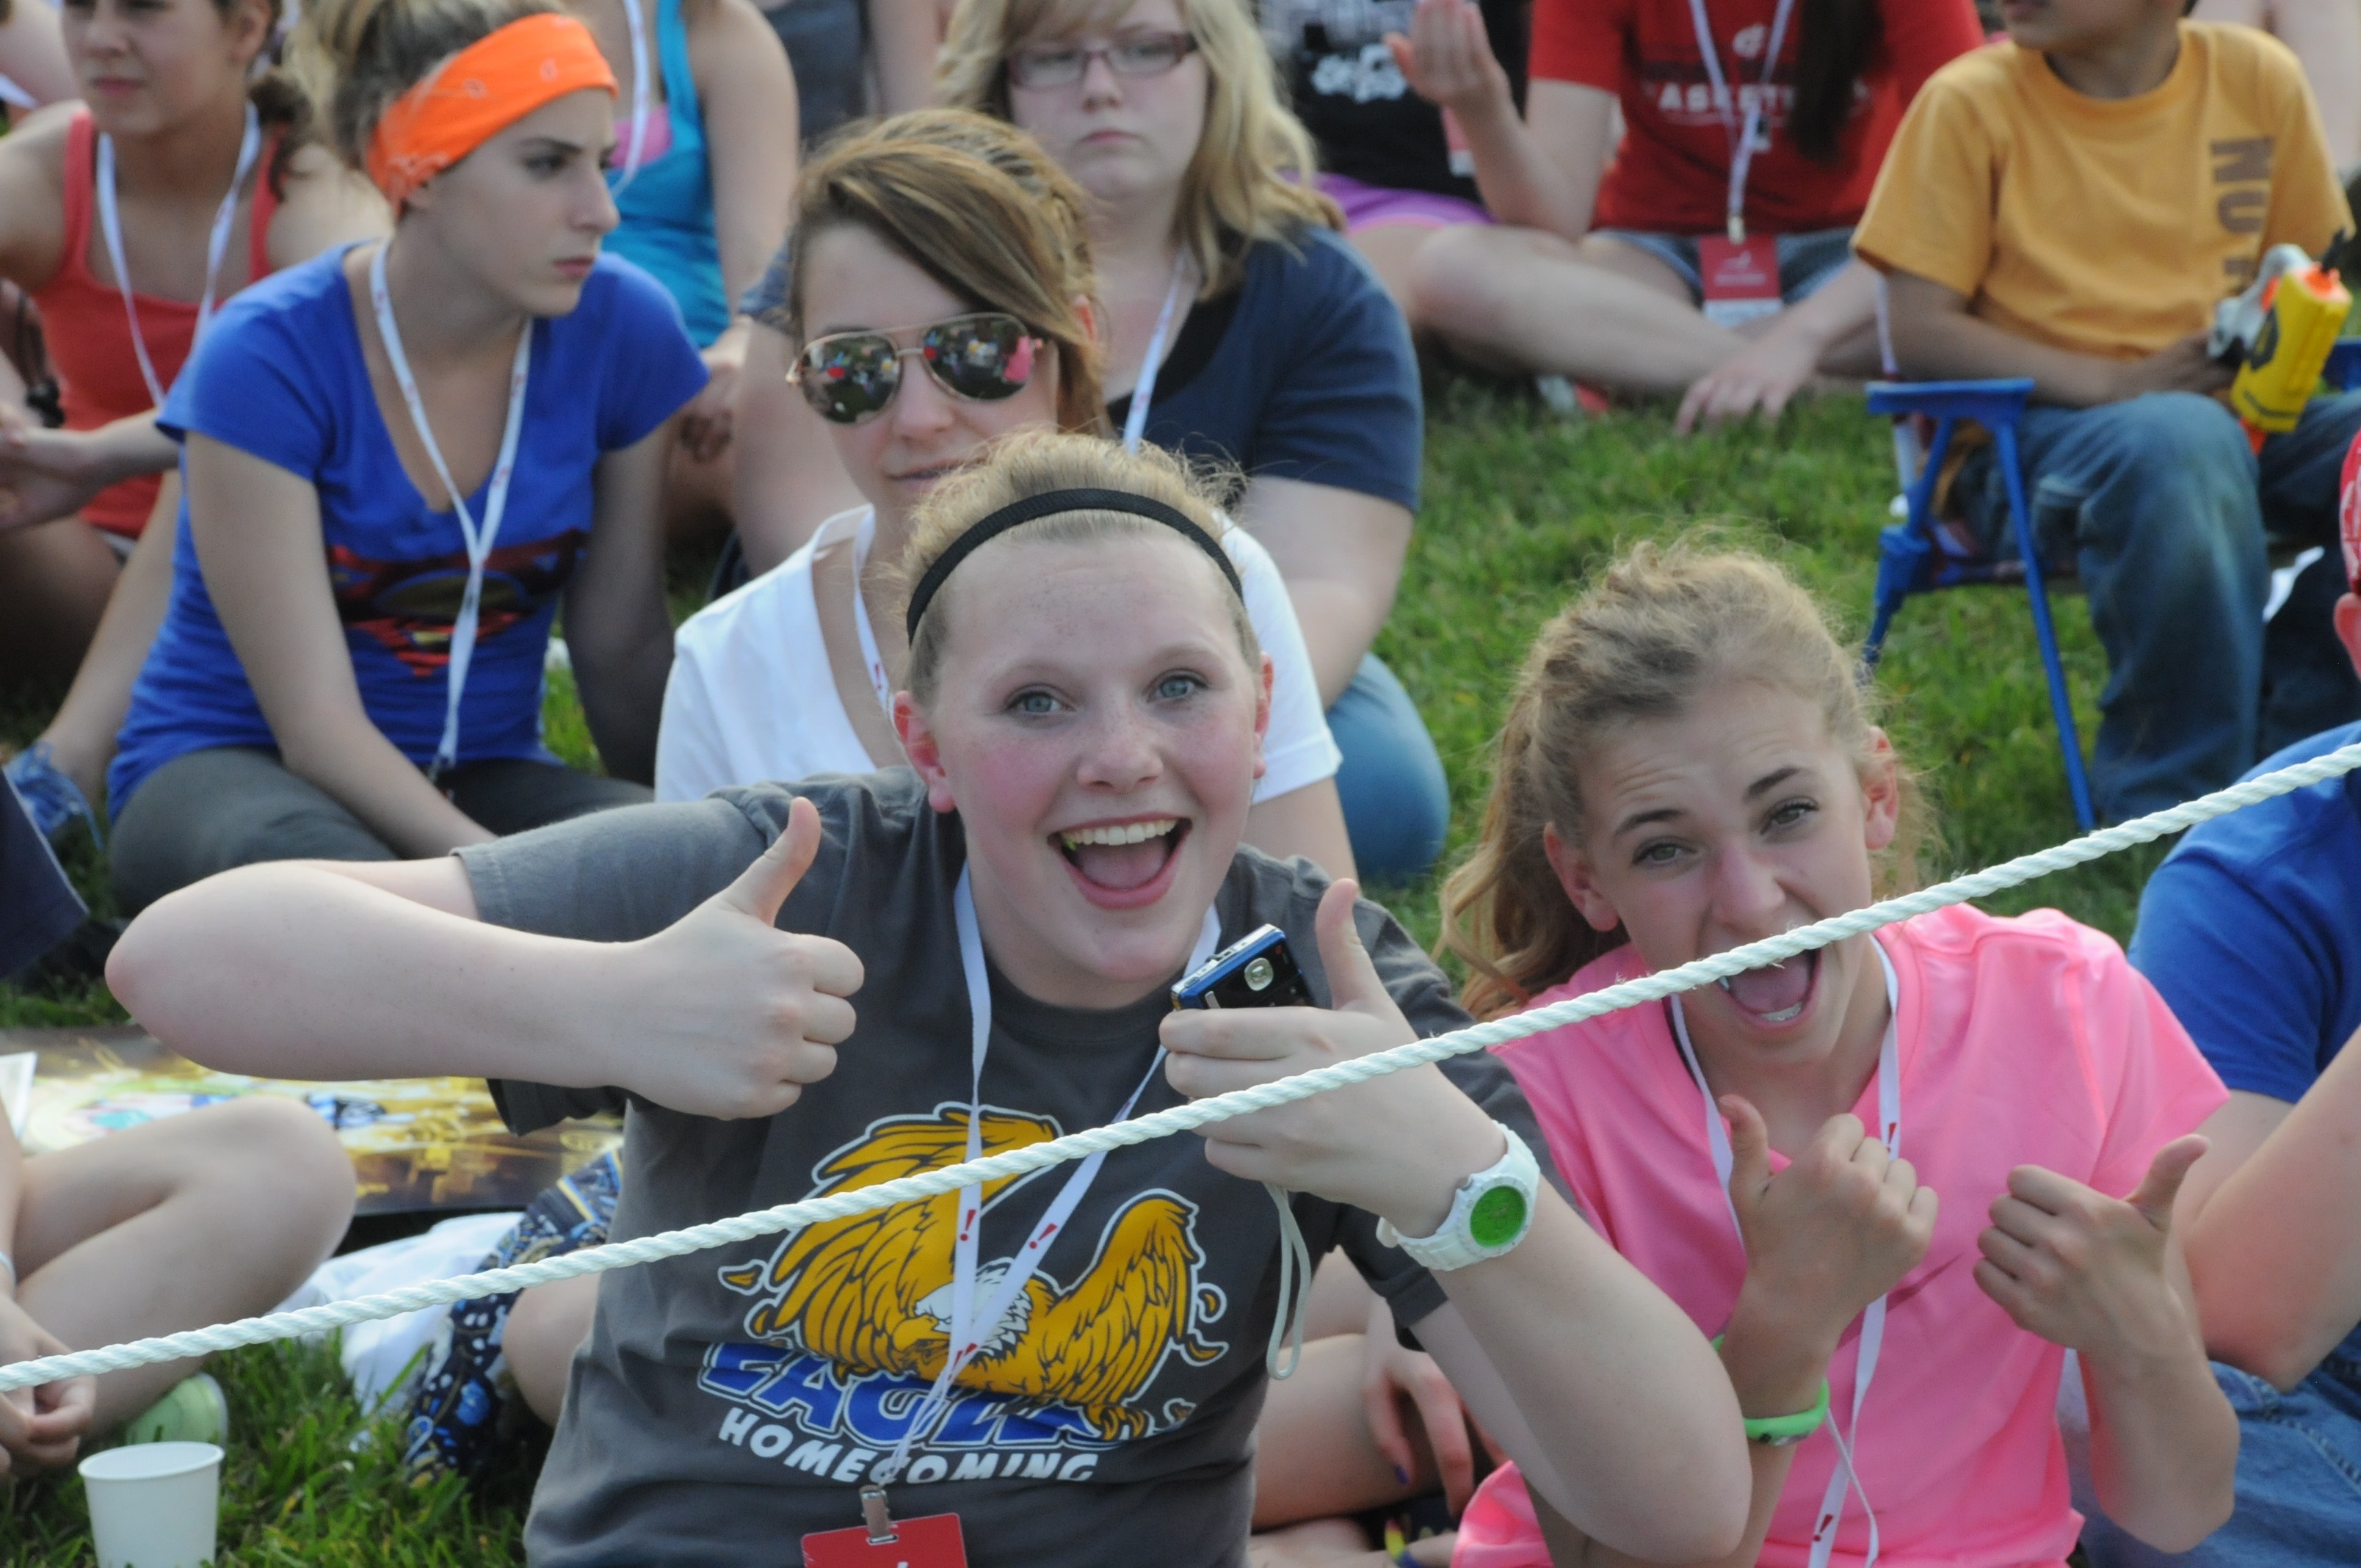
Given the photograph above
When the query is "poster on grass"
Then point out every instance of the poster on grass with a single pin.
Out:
(417, 1144)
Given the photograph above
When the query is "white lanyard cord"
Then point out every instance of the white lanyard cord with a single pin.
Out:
(636, 149)
(496, 500)
(1742, 156)
(969, 1326)
(1872, 1318)
(879, 681)
(1134, 423)
(110, 225)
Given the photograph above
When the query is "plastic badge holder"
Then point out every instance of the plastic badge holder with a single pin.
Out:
(154, 1505)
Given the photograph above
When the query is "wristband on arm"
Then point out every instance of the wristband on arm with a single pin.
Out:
(1780, 1431)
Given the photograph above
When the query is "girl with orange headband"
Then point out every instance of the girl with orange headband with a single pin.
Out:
(127, 219)
(469, 422)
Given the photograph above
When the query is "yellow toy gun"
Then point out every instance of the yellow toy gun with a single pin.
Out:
(2279, 332)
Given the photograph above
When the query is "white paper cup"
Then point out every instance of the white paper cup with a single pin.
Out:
(154, 1505)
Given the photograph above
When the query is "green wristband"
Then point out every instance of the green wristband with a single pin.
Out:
(1779, 1431)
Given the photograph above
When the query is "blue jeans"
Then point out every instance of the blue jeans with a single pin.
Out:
(2164, 508)
(1397, 802)
(2299, 1480)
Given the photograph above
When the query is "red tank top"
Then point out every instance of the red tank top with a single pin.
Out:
(89, 340)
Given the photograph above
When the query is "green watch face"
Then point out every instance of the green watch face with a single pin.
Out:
(1498, 1218)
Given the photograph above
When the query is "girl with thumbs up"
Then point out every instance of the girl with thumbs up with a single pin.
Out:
(1898, 1175)
(967, 955)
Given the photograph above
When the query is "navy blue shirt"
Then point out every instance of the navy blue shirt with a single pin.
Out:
(2251, 931)
(279, 376)
(1304, 371)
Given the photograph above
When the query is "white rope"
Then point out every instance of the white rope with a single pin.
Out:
(1182, 1118)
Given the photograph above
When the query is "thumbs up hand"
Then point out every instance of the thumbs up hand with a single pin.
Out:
(2087, 1271)
(748, 1013)
(1396, 1146)
(1830, 1233)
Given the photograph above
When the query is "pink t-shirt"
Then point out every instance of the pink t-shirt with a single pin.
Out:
(2028, 1041)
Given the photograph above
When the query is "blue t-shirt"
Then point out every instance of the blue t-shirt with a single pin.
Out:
(1304, 371)
(280, 376)
(2251, 931)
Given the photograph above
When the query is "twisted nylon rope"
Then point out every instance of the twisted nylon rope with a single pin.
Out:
(1182, 1118)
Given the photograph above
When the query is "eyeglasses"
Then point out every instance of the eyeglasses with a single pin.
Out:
(1134, 54)
(849, 377)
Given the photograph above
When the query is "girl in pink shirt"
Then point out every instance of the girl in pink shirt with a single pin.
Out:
(1688, 766)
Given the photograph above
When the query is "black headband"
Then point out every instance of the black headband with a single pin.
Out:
(1050, 504)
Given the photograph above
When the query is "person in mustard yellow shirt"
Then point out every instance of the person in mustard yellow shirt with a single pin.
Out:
(2069, 204)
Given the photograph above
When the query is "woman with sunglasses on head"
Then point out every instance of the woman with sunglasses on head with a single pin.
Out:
(805, 988)
(936, 295)
(466, 420)
(703, 171)
(127, 219)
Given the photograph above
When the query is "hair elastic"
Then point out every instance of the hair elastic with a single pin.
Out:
(1051, 503)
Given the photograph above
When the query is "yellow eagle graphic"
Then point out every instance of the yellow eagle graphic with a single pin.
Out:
(873, 1293)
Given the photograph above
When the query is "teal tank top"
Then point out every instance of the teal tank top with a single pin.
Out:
(667, 209)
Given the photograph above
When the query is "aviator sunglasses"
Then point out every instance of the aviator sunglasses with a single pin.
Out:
(849, 377)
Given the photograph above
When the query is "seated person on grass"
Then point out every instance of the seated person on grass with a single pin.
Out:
(1615, 265)
(201, 1218)
(2070, 206)
(805, 989)
(2248, 931)
(1394, 163)
(1284, 355)
(399, 457)
(1688, 766)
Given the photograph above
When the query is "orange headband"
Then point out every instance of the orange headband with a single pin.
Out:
(478, 93)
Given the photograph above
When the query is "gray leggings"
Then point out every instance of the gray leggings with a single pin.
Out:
(207, 811)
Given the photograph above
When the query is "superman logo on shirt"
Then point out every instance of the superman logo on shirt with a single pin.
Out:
(409, 606)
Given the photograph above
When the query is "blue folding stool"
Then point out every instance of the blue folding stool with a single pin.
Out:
(1915, 555)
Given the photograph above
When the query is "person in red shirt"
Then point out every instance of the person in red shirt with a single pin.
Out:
(1672, 263)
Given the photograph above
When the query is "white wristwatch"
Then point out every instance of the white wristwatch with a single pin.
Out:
(1491, 1212)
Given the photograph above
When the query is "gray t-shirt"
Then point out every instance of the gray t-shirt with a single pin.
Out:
(730, 1401)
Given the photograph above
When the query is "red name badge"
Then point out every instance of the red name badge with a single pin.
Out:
(932, 1541)
(1741, 278)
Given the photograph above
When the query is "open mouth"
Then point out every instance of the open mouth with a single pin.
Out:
(1777, 995)
(1123, 863)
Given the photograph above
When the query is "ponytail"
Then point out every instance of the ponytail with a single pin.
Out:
(1836, 41)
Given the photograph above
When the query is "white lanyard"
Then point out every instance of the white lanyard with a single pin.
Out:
(634, 152)
(970, 1326)
(879, 681)
(110, 225)
(1873, 1318)
(496, 501)
(1134, 423)
(1741, 156)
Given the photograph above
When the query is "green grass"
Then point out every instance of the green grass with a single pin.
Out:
(1519, 505)
(309, 1481)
